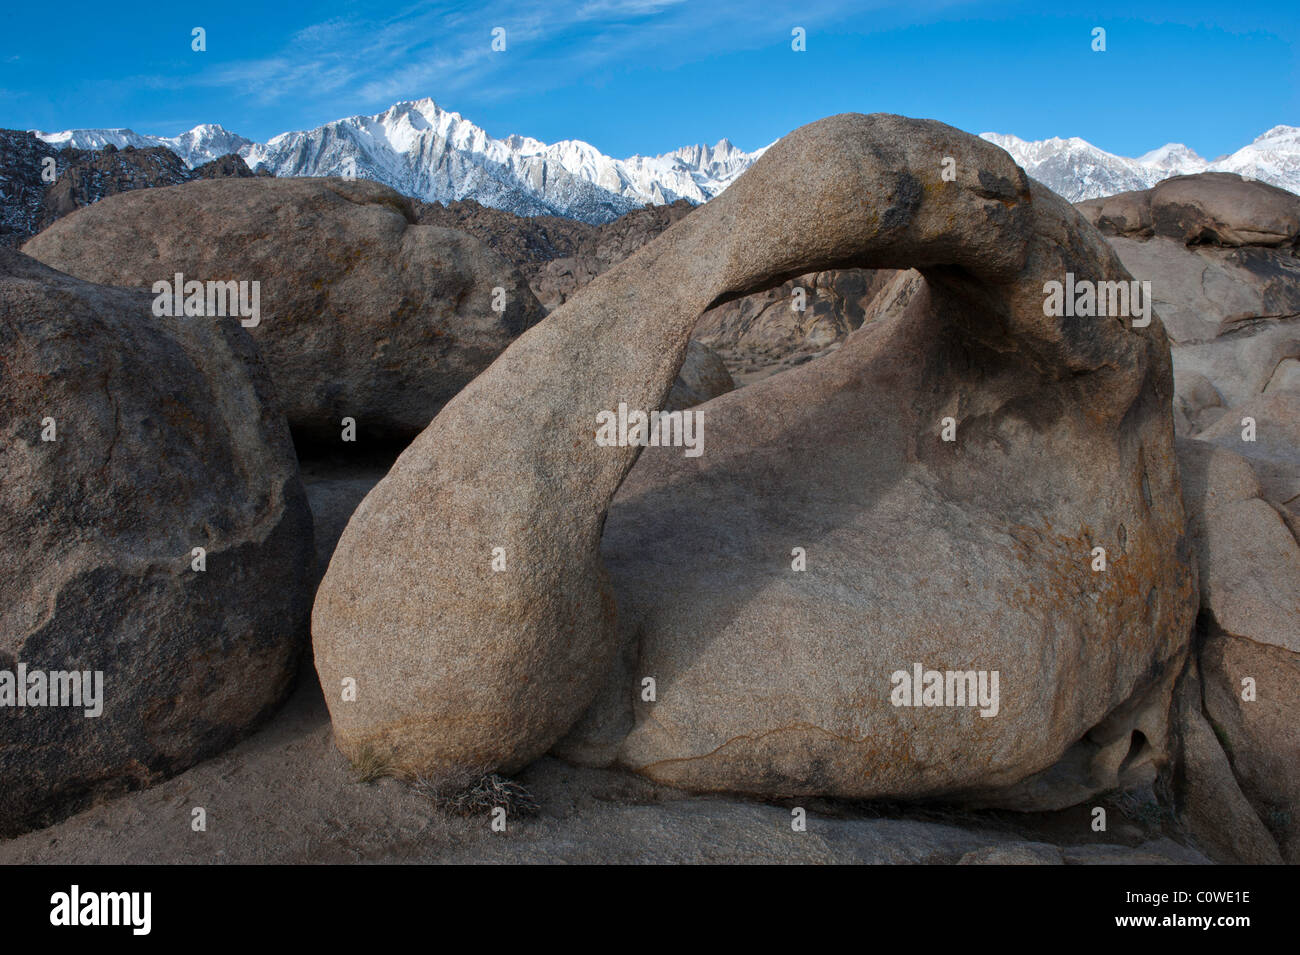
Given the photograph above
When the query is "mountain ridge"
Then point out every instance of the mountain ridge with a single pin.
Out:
(435, 154)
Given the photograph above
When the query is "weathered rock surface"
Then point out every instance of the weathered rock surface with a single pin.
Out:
(332, 501)
(229, 166)
(92, 175)
(1274, 451)
(1262, 735)
(1210, 208)
(29, 202)
(756, 335)
(364, 314)
(1250, 599)
(1220, 253)
(762, 334)
(166, 439)
(22, 186)
(973, 554)
(703, 376)
(1211, 804)
(558, 256)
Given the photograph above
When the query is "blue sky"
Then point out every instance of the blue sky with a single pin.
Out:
(646, 76)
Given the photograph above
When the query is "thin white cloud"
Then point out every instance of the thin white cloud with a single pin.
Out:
(422, 51)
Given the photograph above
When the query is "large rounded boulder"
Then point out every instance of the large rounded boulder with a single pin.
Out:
(948, 476)
(155, 542)
(362, 313)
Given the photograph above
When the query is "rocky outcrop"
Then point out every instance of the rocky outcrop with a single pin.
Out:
(1213, 208)
(970, 554)
(703, 376)
(108, 172)
(363, 314)
(1266, 432)
(755, 335)
(1250, 631)
(29, 202)
(558, 256)
(22, 187)
(230, 166)
(805, 318)
(129, 443)
(1220, 253)
(1212, 807)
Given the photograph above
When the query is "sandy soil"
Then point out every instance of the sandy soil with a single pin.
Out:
(286, 795)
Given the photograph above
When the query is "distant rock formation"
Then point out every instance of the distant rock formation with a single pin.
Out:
(364, 313)
(92, 178)
(28, 203)
(22, 188)
(1222, 255)
(231, 166)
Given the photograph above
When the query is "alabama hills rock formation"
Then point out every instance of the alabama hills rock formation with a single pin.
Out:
(728, 623)
(1248, 630)
(756, 335)
(465, 665)
(1221, 255)
(364, 313)
(29, 203)
(130, 441)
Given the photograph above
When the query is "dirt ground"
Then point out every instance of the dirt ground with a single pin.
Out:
(286, 795)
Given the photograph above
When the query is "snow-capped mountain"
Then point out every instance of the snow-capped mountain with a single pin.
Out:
(422, 150)
(197, 146)
(1077, 170)
(1273, 157)
(425, 151)
(431, 153)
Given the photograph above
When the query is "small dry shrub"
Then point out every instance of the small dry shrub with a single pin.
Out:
(475, 792)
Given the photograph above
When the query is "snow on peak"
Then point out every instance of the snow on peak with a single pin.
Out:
(423, 150)
(199, 145)
(1078, 170)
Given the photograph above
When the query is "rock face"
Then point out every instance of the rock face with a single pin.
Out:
(128, 441)
(558, 256)
(1266, 432)
(972, 554)
(1213, 808)
(802, 319)
(1250, 654)
(96, 175)
(1212, 208)
(333, 499)
(703, 376)
(22, 189)
(229, 166)
(28, 203)
(1221, 255)
(364, 314)
(755, 335)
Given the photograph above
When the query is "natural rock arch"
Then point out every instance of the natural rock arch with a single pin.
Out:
(458, 665)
